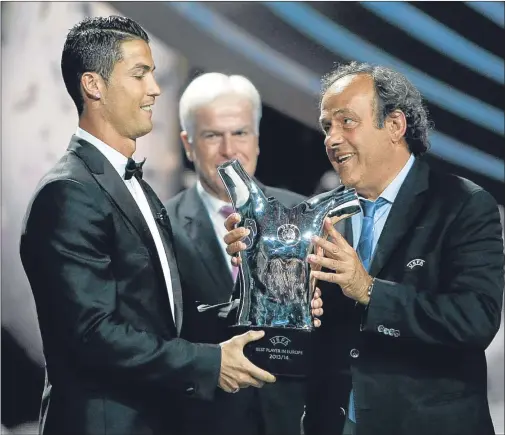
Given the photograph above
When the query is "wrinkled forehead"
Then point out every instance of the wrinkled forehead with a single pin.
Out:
(352, 92)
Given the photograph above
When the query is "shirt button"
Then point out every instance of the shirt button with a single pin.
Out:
(354, 353)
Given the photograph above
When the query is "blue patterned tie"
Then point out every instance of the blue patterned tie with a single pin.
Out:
(364, 251)
(365, 244)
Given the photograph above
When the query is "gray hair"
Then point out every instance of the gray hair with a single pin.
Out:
(393, 91)
(207, 87)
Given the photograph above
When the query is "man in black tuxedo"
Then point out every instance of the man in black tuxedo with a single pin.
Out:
(97, 249)
(413, 285)
(220, 118)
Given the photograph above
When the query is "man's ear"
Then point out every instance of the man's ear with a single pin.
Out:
(187, 145)
(396, 125)
(92, 85)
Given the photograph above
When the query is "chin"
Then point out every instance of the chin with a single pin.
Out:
(348, 181)
(144, 131)
(218, 191)
(148, 128)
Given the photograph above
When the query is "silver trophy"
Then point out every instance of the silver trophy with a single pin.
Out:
(274, 278)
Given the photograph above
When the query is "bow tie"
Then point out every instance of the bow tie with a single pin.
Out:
(132, 168)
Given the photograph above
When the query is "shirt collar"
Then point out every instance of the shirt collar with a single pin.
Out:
(391, 191)
(117, 160)
(212, 204)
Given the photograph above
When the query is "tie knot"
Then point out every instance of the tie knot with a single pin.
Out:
(132, 168)
(370, 207)
(226, 210)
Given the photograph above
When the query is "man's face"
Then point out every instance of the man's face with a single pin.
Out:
(359, 151)
(222, 130)
(131, 91)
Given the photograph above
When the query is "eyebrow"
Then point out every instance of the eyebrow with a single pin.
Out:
(142, 66)
(242, 128)
(209, 130)
(336, 112)
(339, 111)
(221, 131)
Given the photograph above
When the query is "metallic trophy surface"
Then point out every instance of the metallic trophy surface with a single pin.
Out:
(274, 277)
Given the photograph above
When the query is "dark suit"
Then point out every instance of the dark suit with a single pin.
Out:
(275, 409)
(114, 362)
(417, 352)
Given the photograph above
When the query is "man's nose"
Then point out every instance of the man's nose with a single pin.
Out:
(227, 145)
(333, 139)
(154, 89)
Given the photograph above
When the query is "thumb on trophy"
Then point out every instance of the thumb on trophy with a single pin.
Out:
(251, 336)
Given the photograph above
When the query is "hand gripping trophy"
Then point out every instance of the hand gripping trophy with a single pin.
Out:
(274, 277)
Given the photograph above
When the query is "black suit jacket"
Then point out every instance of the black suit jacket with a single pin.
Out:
(416, 354)
(115, 364)
(275, 409)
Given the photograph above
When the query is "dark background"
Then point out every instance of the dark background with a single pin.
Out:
(292, 151)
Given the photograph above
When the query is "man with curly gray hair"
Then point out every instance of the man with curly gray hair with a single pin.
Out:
(412, 286)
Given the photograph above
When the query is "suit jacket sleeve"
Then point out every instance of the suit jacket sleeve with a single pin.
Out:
(465, 309)
(65, 250)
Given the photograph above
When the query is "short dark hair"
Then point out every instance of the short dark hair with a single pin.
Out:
(94, 45)
(393, 91)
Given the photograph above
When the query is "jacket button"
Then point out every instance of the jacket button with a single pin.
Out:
(342, 412)
(354, 353)
(190, 390)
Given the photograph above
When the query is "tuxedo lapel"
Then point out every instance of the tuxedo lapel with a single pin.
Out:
(406, 207)
(165, 229)
(200, 230)
(111, 182)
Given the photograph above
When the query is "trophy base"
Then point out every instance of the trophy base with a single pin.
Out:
(281, 351)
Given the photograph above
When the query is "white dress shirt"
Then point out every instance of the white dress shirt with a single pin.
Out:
(118, 161)
(213, 205)
(381, 215)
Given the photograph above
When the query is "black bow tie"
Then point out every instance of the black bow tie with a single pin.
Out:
(133, 169)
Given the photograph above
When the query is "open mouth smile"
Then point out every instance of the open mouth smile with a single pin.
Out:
(344, 158)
